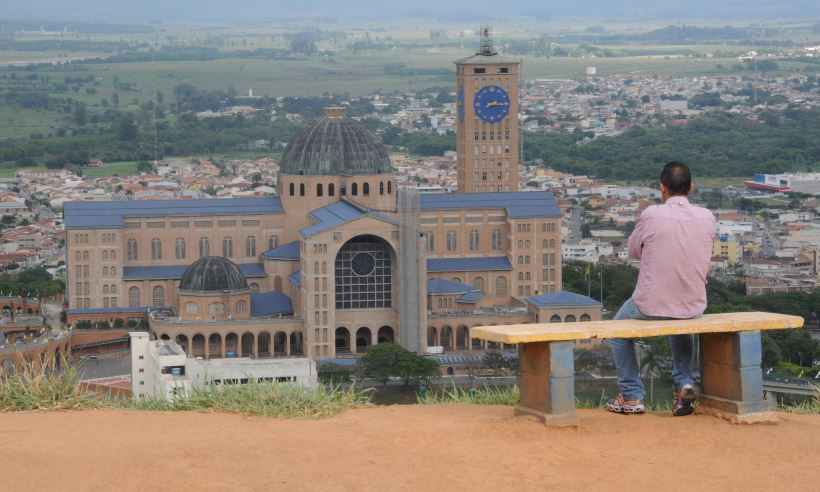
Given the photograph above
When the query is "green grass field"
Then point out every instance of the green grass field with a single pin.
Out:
(10, 172)
(112, 169)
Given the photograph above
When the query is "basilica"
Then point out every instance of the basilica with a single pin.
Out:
(342, 258)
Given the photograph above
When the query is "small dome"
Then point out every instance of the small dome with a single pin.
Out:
(213, 273)
(335, 146)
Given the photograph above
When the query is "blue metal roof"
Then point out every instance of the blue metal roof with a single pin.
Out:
(107, 215)
(114, 310)
(331, 216)
(295, 278)
(518, 204)
(562, 298)
(270, 304)
(175, 272)
(491, 263)
(442, 286)
(472, 297)
(288, 252)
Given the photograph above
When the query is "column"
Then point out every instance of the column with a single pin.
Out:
(733, 377)
(287, 344)
(547, 382)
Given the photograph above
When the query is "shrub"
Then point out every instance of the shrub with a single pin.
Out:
(330, 373)
(488, 395)
(34, 386)
(264, 399)
(388, 360)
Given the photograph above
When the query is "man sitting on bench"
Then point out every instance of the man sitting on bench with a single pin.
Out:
(673, 241)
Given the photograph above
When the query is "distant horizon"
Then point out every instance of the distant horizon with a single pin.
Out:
(256, 11)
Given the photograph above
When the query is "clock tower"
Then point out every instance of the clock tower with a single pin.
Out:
(487, 135)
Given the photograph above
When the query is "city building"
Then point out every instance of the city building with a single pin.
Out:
(487, 132)
(161, 369)
(340, 260)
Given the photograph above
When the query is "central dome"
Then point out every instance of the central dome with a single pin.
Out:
(213, 273)
(335, 146)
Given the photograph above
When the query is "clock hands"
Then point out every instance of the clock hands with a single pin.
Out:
(493, 104)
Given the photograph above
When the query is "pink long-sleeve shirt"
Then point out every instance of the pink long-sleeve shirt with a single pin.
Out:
(674, 243)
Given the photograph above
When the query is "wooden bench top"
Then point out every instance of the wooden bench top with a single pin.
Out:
(631, 328)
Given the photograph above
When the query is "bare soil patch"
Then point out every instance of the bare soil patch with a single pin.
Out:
(414, 447)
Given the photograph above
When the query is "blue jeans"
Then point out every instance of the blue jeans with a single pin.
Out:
(626, 363)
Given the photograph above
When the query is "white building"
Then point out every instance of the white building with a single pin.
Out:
(160, 369)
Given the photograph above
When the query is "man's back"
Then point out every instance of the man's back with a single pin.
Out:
(674, 243)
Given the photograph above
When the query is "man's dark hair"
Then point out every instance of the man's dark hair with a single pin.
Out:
(675, 176)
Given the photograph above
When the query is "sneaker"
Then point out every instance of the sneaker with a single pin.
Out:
(620, 405)
(684, 401)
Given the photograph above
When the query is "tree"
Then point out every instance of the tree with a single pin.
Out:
(303, 43)
(127, 129)
(388, 360)
(79, 115)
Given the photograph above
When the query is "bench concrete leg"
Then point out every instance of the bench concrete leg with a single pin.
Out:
(546, 379)
(733, 378)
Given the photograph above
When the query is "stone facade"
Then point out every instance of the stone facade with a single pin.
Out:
(341, 259)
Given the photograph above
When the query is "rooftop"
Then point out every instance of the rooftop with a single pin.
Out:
(110, 215)
(519, 205)
(335, 146)
(175, 272)
(562, 298)
(478, 264)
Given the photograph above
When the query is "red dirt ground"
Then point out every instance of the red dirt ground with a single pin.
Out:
(438, 448)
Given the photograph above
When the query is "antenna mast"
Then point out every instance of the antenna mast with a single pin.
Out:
(487, 48)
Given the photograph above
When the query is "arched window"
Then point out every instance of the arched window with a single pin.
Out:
(478, 283)
(132, 249)
(319, 190)
(364, 274)
(204, 247)
(585, 317)
(105, 255)
(381, 187)
(324, 268)
(179, 248)
(389, 187)
(227, 247)
(254, 287)
(301, 189)
(555, 319)
(354, 189)
(431, 242)
(105, 271)
(474, 240)
(241, 306)
(331, 189)
(366, 189)
(569, 318)
(105, 289)
(342, 190)
(156, 249)
(277, 284)
(134, 297)
(501, 286)
(292, 189)
(452, 242)
(250, 246)
(273, 242)
(497, 239)
(158, 297)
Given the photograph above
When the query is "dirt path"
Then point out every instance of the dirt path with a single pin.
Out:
(460, 448)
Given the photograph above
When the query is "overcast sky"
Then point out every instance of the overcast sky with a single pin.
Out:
(254, 10)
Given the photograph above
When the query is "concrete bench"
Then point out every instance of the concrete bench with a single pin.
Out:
(731, 354)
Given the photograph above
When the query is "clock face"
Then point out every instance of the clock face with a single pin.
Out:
(460, 103)
(491, 104)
